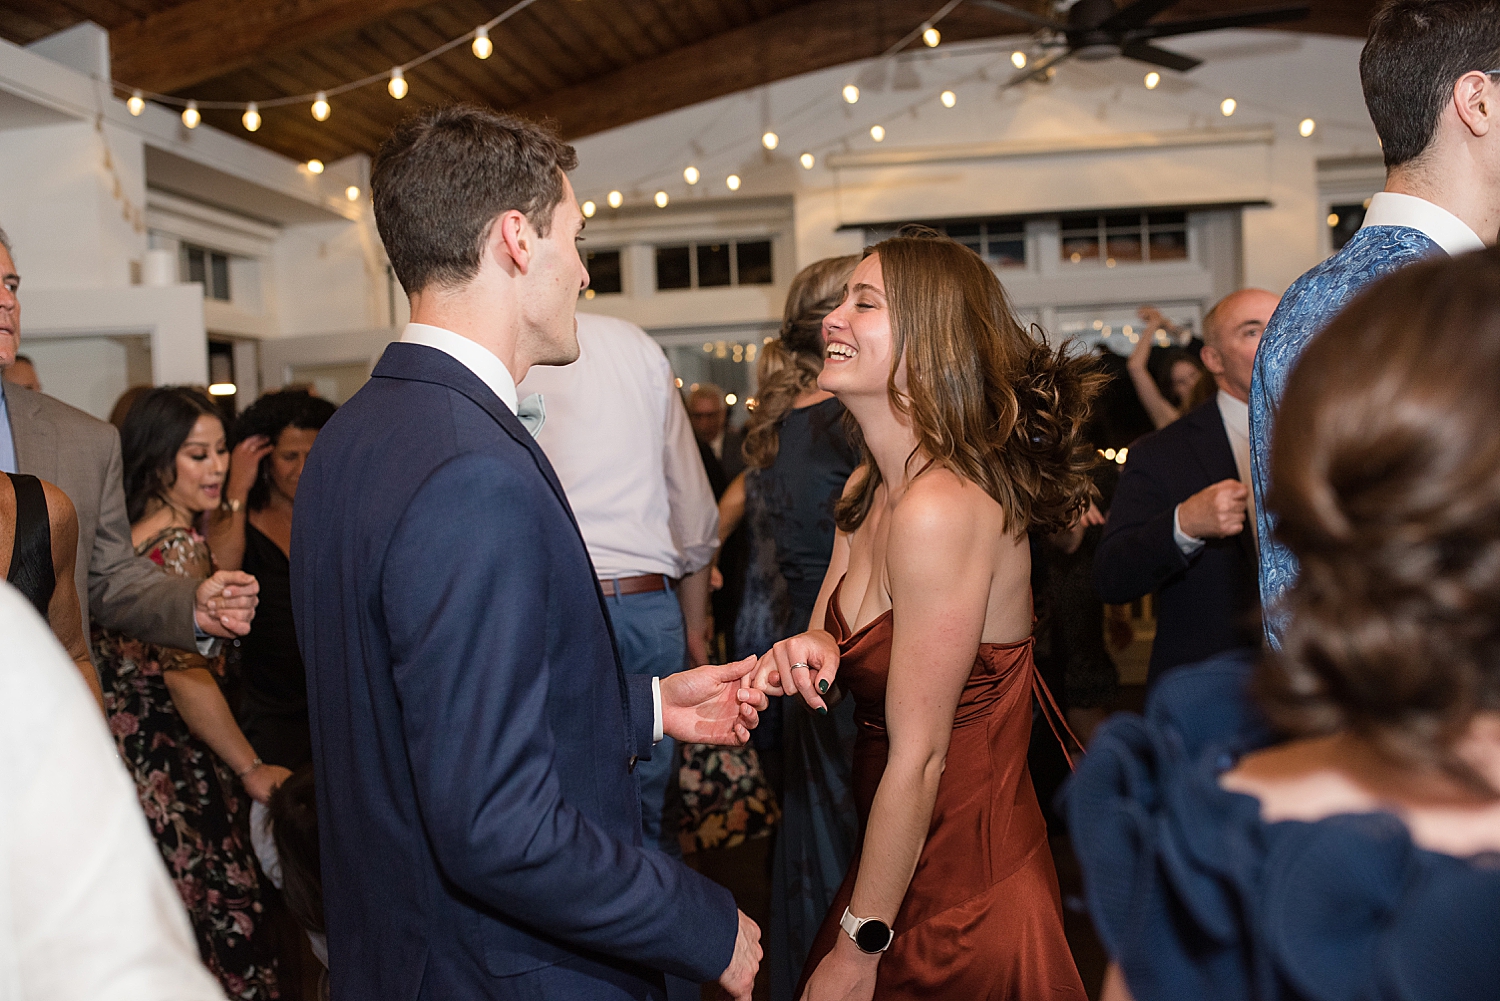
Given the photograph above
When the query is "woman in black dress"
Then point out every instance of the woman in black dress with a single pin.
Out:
(252, 531)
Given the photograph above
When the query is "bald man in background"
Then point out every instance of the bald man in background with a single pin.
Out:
(1182, 524)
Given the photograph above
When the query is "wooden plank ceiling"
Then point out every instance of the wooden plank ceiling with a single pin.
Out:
(587, 65)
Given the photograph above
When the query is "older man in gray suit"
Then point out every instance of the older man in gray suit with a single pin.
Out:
(67, 447)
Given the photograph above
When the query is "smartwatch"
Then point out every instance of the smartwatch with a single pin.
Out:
(871, 935)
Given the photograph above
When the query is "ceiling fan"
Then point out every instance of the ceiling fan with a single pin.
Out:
(1098, 29)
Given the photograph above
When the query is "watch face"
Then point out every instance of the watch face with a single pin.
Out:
(873, 936)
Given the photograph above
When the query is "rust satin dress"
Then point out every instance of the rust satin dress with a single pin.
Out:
(982, 918)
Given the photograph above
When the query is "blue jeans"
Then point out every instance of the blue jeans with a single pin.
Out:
(653, 642)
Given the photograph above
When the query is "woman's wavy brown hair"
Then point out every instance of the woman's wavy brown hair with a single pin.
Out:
(986, 399)
(1385, 478)
(816, 291)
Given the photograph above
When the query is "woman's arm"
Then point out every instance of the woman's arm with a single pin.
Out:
(63, 613)
(1114, 985)
(732, 507)
(196, 694)
(226, 528)
(1160, 410)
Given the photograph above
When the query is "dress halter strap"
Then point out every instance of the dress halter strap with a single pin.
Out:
(1055, 718)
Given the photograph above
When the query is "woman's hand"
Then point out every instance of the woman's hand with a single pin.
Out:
(845, 974)
(244, 466)
(263, 779)
(805, 665)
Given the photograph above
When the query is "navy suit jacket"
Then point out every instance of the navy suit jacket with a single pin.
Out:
(473, 732)
(1206, 602)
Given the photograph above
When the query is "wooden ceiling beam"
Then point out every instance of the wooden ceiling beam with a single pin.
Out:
(203, 39)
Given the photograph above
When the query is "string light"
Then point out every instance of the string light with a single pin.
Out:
(1307, 127)
(320, 108)
(807, 160)
(851, 94)
(948, 98)
(482, 46)
(661, 199)
(352, 193)
(1018, 59)
(190, 116)
(315, 166)
(397, 86)
(731, 399)
(1227, 106)
(589, 208)
(691, 175)
(732, 182)
(136, 104)
(1152, 79)
(877, 132)
(251, 118)
(931, 37)
(770, 140)
(615, 199)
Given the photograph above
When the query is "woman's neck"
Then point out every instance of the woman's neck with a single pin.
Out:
(889, 437)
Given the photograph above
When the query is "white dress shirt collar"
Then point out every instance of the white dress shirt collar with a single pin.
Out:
(470, 354)
(1387, 208)
(1236, 415)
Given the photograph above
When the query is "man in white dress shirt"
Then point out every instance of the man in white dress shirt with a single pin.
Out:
(618, 435)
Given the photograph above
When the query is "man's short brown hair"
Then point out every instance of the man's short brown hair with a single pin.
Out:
(443, 176)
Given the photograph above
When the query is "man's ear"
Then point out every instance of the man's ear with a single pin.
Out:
(511, 241)
(1474, 100)
(1212, 360)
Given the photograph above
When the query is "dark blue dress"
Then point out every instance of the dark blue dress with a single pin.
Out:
(1196, 897)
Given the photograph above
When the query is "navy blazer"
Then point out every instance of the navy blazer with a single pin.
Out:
(1207, 602)
(473, 731)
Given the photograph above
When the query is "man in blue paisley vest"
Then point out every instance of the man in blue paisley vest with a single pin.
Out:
(1431, 77)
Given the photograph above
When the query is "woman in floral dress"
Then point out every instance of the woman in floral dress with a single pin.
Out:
(194, 770)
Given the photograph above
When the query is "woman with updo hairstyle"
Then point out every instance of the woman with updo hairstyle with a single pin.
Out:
(1339, 837)
(971, 435)
(252, 531)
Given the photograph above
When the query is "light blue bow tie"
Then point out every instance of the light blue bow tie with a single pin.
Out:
(532, 414)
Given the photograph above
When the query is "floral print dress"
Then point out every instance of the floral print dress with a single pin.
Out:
(195, 806)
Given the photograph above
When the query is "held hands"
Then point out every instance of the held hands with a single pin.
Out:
(1215, 512)
(804, 665)
(738, 979)
(225, 604)
(712, 704)
(244, 466)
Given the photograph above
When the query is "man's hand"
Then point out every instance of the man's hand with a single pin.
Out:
(804, 665)
(225, 604)
(712, 704)
(738, 979)
(1215, 512)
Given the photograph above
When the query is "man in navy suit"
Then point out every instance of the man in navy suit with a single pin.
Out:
(474, 735)
(1181, 522)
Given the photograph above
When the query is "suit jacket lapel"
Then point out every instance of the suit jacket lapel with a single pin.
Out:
(34, 436)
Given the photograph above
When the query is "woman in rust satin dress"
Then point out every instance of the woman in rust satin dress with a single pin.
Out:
(971, 433)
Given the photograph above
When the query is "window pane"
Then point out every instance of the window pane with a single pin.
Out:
(672, 268)
(1007, 253)
(197, 266)
(1167, 219)
(604, 271)
(755, 262)
(1080, 248)
(713, 265)
(969, 234)
(220, 275)
(1123, 246)
(1079, 224)
(1131, 220)
(1344, 221)
(1169, 245)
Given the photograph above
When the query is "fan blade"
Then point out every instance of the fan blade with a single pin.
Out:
(1247, 19)
(1020, 15)
(1135, 15)
(1148, 53)
(1037, 69)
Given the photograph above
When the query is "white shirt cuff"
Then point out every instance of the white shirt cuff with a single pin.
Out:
(1186, 543)
(657, 733)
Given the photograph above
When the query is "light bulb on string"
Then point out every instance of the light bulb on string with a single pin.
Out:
(190, 116)
(1307, 127)
(691, 175)
(807, 160)
(877, 132)
(615, 199)
(482, 46)
(661, 199)
(1018, 59)
(732, 182)
(770, 140)
(136, 104)
(851, 94)
(320, 108)
(315, 166)
(352, 193)
(397, 86)
(948, 98)
(931, 37)
(1227, 106)
(589, 208)
(251, 118)
(1152, 79)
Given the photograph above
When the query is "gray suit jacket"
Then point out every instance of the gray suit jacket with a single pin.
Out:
(81, 455)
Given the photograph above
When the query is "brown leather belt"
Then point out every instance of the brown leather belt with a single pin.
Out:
(633, 585)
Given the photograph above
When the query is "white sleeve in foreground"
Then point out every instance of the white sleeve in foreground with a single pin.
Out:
(657, 731)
